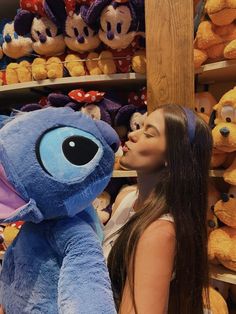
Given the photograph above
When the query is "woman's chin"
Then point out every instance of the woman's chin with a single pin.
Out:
(125, 163)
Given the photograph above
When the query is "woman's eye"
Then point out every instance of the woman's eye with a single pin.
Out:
(108, 26)
(86, 31)
(118, 28)
(68, 153)
(48, 32)
(148, 135)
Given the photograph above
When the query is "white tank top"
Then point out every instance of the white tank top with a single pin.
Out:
(122, 214)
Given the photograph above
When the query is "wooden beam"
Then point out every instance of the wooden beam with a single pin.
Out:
(169, 43)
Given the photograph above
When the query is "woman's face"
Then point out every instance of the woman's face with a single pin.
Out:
(145, 149)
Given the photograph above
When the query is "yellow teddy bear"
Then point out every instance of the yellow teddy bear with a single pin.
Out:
(216, 38)
(224, 132)
(222, 241)
(18, 72)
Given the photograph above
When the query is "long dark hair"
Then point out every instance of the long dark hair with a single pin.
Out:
(181, 190)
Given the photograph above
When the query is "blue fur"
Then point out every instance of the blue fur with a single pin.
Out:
(56, 264)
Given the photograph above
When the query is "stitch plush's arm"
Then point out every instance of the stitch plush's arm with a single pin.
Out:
(84, 286)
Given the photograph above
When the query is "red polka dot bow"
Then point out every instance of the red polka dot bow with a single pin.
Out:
(71, 4)
(81, 96)
(138, 99)
(34, 6)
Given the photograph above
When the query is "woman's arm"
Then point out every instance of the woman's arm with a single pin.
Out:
(154, 263)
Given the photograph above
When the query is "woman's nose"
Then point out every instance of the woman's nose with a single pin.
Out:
(134, 135)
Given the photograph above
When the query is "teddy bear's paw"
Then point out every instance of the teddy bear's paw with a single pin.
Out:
(230, 50)
(78, 70)
(24, 74)
(200, 57)
(11, 76)
(52, 74)
(39, 74)
(106, 63)
(230, 176)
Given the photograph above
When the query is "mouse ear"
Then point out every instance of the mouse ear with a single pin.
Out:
(55, 10)
(23, 21)
(94, 12)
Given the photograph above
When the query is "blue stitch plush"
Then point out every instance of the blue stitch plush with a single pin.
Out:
(53, 163)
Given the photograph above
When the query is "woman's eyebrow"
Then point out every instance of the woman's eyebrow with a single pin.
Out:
(150, 126)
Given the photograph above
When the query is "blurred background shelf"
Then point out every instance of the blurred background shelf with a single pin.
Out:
(124, 80)
(221, 273)
(217, 72)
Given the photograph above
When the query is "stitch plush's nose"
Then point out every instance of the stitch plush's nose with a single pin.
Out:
(42, 38)
(224, 132)
(110, 35)
(8, 38)
(80, 39)
(225, 197)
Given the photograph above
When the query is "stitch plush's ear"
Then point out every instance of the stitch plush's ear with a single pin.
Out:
(23, 21)
(55, 10)
(212, 119)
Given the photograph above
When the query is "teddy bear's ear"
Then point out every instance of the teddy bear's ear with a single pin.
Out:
(23, 21)
(55, 10)
(212, 119)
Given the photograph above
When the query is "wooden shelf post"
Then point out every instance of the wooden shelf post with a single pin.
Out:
(169, 43)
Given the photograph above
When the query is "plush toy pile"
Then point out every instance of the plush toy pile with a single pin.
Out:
(56, 38)
(216, 35)
(48, 179)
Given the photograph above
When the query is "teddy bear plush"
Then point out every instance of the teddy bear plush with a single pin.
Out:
(216, 38)
(18, 53)
(224, 131)
(49, 178)
(120, 24)
(48, 40)
(222, 241)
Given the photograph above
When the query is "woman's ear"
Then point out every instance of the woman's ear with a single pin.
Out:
(23, 22)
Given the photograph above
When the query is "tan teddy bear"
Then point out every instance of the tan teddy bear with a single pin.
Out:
(224, 132)
(222, 241)
(216, 38)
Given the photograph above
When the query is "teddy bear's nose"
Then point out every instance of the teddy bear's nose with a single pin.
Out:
(42, 38)
(80, 39)
(225, 197)
(8, 38)
(224, 131)
(110, 35)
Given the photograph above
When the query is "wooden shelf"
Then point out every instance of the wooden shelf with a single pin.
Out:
(217, 72)
(131, 173)
(221, 273)
(122, 80)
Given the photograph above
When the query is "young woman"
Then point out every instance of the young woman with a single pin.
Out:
(158, 262)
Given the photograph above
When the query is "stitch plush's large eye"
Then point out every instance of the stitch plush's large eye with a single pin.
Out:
(227, 113)
(68, 154)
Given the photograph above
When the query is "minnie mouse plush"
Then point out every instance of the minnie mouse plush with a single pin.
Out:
(120, 22)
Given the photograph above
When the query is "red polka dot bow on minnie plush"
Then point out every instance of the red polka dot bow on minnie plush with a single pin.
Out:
(138, 99)
(81, 96)
(34, 6)
(71, 4)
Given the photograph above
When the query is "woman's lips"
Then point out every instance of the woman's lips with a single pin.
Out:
(125, 148)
